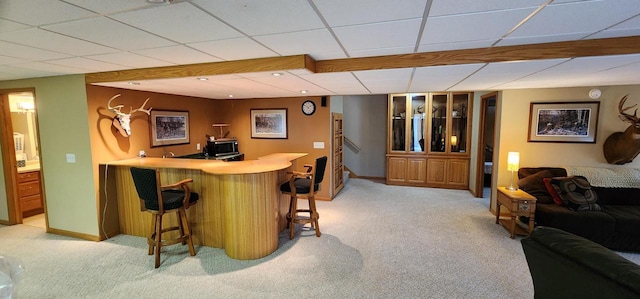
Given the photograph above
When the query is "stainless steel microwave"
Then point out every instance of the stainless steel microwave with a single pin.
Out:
(222, 147)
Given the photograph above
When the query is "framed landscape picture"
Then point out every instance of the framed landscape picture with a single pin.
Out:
(269, 123)
(169, 127)
(574, 122)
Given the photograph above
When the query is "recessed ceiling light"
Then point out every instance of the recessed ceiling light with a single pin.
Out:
(303, 91)
(276, 74)
(133, 83)
(231, 96)
(159, 1)
(203, 79)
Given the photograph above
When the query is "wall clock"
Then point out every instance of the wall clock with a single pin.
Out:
(308, 107)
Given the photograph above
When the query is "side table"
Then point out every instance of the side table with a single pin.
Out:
(519, 203)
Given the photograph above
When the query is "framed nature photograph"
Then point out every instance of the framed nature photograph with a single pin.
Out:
(169, 127)
(269, 123)
(574, 122)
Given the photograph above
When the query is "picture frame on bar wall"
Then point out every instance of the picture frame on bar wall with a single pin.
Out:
(169, 127)
(269, 123)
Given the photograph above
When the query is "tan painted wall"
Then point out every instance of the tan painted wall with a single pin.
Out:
(513, 124)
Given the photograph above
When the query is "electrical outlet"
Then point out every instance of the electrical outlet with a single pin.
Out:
(71, 158)
(318, 145)
(198, 146)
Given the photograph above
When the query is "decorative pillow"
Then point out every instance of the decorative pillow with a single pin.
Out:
(534, 185)
(576, 193)
(552, 191)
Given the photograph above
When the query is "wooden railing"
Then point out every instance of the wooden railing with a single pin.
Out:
(352, 145)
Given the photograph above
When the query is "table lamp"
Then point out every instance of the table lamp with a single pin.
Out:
(513, 163)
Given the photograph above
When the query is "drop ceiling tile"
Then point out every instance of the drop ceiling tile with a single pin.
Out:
(332, 80)
(540, 39)
(377, 81)
(6, 25)
(455, 7)
(466, 27)
(440, 78)
(264, 17)
(177, 54)
(576, 17)
(289, 82)
(111, 6)
(52, 68)
(129, 60)
(88, 65)
(15, 72)
(28, 53)
(455, 45)
(10, 60)
(112, 34)
(379, 35)
(188, 23)
(627, 28)
(356, 12)
(494, 74)
(234, 49)
(381, 51)
(313, 42)
(41, 12)
(39, 38)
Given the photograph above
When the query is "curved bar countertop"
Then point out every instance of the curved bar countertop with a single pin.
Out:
(241, 208)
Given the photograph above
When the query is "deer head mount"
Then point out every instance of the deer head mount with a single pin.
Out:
(122, 120)
(623, 147)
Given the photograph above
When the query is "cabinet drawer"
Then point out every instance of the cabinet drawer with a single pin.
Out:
(30, 202)
(28, 188)
(28, 176)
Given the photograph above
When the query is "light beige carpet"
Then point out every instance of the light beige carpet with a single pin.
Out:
(378, 241)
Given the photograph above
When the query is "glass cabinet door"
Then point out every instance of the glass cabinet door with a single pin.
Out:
(398, 122)
(438, 142)
(418, 104)
(459, 124)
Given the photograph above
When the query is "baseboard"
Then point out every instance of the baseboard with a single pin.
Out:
(5, 222)
(73, 234)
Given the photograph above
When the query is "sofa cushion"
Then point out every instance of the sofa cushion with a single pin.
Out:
(527, 171)
(534, 185)
(627, 218)
(554, 194)
(617, 196)
(576, 193)
(586, 224)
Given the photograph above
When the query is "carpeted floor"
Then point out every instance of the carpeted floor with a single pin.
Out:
(377, 241)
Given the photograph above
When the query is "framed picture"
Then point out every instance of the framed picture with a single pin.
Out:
(563, 122)
(169, 127)
(269, 123)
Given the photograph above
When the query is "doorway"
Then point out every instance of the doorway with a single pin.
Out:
(21, 158)
(486, 144)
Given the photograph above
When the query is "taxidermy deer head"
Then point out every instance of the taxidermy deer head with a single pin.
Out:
(122, 120)
(623, 147)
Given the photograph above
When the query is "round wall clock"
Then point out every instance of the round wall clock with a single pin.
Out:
(308, 107)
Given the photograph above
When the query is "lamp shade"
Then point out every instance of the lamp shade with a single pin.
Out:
(513, 161)
(454, 140)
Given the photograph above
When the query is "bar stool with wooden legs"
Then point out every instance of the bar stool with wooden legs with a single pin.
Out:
(300, 184)
(159, 200)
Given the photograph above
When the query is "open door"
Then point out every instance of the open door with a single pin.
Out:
(486, 144)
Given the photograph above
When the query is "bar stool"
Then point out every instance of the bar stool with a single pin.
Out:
(300, 185)
(159, 200)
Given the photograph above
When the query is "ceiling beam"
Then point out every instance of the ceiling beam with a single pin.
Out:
(570, 49)
(267, 64)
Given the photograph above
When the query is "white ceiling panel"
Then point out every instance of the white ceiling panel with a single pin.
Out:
(540, 39)
(456, 45)
(576, 17)
(339, 13)
(381, 51)
(472, 27)
(234, 49)
(11, 72)
(29, 53)
(86, 64)
(630, 27)
(313, 42)
(264, 17)
(39, 38)
(188, 23)
(110, 6)
(395, 80)
(52, 68)
(440, 78)
(6, 25)
(130, 60)
(464, 7)
(41, 12)
(494, 74)
(4, 60)
(112, 34)
(177, 55)
(379, 35)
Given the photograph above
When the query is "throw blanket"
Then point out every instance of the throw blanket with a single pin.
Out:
(607, 177)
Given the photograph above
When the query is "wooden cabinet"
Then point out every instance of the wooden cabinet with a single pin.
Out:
(29, 197)
(428, 139)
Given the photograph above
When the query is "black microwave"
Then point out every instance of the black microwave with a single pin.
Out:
(222, 147)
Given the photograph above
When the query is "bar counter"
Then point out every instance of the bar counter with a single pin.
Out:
(241, 208)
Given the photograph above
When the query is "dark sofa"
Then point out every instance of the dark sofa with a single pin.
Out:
(564, 265)
(615, 226)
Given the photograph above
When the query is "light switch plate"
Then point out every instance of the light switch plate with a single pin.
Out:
(71, 158)
(318, 145)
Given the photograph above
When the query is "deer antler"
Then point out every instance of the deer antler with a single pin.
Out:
(625, 116)
(147, 111)
(115, 109)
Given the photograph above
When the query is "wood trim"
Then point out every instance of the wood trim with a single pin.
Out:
(207, 69)
(478, 192)
(569, 49)
(9, 160)
(73, 234)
